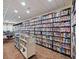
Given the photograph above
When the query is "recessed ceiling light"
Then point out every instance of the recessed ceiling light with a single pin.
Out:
(19, 17)
(16, 11)
(49, 0)
(23, 3)
(28, 11)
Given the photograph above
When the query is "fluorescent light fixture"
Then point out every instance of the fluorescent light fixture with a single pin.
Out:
(49, 0)
(28, 11)
(19, 17)
(16, 11)
(23, 3)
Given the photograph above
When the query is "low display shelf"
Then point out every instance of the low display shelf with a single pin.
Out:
(26, 40)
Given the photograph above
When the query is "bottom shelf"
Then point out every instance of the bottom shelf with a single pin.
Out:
(54, 50)
(23, 54)
(20, 52)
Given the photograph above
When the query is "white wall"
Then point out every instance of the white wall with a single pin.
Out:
(7, 26)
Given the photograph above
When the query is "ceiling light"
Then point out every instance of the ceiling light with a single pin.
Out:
(28, 11)
(49, 0)
(23, 3)
(16, 11)
(19, 17)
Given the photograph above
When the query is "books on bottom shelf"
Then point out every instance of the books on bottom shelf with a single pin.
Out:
(62, 50)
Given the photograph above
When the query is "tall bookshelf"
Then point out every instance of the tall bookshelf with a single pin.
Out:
(62, 31)
(54, 31)
(73, 30)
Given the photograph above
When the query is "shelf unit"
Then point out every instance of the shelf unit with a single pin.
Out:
(17, 32)
(54, 31)
(26, 40)
(73, 31)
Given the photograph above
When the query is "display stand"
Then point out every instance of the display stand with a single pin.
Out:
(25, 41)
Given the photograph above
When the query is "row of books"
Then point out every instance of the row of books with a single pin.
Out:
(47, 16)
(62, 29)
(62, 40)
(62, 50)
(61, 13)
(43, 29)
(64, 18)
(47, 21)
(44, 42)
(52, 25)
(62, 34)
(62, 24)
(47, 33)
(47, 25)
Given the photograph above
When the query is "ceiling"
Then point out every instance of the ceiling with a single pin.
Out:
(37, 7)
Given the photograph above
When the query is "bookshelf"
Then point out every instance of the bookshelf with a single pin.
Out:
(73, 30)
(62, 32)
(54, 31)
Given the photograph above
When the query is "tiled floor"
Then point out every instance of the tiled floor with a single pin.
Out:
(10, 52)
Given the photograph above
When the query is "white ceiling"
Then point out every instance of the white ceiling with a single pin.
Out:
(37, 7)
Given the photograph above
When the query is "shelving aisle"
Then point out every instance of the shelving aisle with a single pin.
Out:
(48, 35)
(10, 52)
(51, 31)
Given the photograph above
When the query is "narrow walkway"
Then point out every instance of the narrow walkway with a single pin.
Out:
(10, 52)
